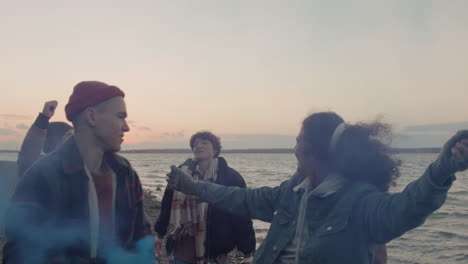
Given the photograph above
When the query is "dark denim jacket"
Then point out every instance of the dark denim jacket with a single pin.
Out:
(343, 227)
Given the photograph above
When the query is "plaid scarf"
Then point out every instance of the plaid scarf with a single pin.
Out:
(189, 213)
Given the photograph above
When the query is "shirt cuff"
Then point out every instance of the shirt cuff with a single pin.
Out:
(439, 177)
(42, 121)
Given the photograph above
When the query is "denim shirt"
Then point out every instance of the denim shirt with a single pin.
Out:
(330, 185)
(343, 226)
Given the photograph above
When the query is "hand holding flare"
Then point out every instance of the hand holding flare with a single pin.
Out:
(179, 180)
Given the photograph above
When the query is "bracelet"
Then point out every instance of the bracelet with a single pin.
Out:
(42, 121)
(247, 260)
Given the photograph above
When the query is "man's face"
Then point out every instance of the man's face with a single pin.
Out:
(111, 123)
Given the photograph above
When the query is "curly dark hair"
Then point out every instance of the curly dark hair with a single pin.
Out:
(360, 153)
(207, 135)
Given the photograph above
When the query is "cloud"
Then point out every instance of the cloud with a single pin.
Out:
(436, 128)
(143, 128)
(135, 125)
(13, 117)
(427, 136)
(175, 140)
(252, 141)
(172, 135)
(9, 145)
(157, 145)
(11, 135)
(22, 126)
(6, 132)
(420, 140)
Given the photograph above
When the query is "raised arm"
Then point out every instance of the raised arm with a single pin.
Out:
(387, 216)
(256, 203)
(35, 137)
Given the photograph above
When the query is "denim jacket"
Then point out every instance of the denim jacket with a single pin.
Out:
(343, 226)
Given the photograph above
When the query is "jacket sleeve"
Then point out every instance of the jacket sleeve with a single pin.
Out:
(160, 227)
(143, 227)
(259, 203)
(243, 226)
(388, 216)
(32, 144)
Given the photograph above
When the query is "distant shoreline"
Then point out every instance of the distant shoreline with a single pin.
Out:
(258, 151)
(266, 151)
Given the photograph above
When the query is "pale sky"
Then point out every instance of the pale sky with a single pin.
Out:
(242, 69)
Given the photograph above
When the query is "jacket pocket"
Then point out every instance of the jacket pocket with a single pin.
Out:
(283, 217)
(333, 226)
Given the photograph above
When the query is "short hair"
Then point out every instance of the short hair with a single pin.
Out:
(55, 133)
(99, 107)
(207, 136)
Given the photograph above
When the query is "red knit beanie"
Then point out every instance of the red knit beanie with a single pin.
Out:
(89, 93)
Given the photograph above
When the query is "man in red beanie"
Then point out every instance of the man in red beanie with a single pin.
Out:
(82, 203)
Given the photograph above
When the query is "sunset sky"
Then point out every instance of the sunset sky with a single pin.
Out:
(247, 70)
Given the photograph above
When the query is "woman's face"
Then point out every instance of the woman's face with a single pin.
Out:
(203, 149)
(299, 150)
(304, 163)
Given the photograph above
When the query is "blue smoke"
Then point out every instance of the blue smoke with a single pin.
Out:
(35, 242)
(143, 253)
(8, 179)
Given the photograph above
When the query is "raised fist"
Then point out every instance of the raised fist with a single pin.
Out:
(49, 108)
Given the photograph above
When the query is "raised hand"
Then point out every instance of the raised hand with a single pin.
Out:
(179, 180)
(49, 108)
(454, 154)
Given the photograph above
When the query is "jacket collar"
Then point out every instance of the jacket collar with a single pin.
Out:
(330, 185)
(71, 157)
(222, 165)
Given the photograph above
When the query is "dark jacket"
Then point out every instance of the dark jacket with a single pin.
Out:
(224, 230)
(32, 144)
(49, 218)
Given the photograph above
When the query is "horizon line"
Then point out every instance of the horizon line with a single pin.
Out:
(253, 150)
